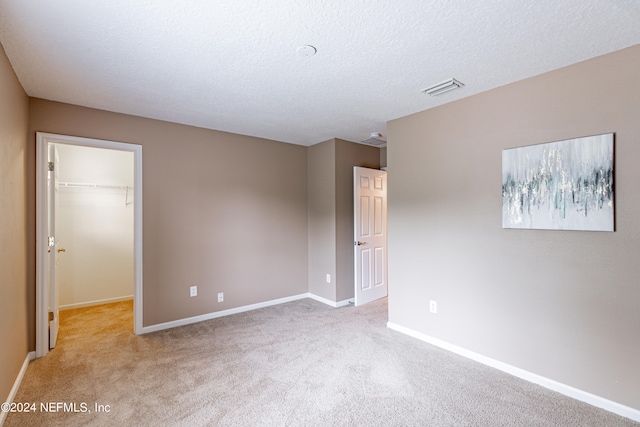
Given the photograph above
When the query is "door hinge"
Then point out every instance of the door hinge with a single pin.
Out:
(51, 317)
(50, 166)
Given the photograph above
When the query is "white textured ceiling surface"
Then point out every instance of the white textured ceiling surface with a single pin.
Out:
(232, 65)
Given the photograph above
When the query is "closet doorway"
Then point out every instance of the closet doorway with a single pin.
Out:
(89, 222)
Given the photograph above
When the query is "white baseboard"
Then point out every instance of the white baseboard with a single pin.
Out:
(328, 301)
(214, 315)
(96, 302)
(16, 384)
(565, 389)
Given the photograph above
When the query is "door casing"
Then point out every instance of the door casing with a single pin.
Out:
(42, 289)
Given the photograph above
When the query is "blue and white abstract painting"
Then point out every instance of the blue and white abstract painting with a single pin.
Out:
(564, 185)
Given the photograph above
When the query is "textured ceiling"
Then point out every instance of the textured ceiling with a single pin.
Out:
(232, 65)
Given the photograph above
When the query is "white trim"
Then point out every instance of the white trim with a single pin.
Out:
(96, 302)
(344, 303)
(216, 314)
(42, 327)
(137, 242)
(329, 302)
(42, 140)
(16, 384)
(567, 390)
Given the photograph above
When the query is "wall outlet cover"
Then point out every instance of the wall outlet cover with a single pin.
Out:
(433, 307)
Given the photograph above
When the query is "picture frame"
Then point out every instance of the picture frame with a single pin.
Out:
(562, 185)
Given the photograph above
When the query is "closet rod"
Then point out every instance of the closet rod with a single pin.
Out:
(88, 185)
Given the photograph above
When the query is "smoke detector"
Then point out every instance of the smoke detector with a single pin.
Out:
(375, 138)
(306, 50)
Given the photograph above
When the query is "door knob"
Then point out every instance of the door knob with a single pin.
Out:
(361, 243)
(62, 250)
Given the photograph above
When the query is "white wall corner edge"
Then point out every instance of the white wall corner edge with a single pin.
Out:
(567, 390)
(16, 384)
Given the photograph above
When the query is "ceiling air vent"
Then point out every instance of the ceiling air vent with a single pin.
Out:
(376, 138)
(443, 87)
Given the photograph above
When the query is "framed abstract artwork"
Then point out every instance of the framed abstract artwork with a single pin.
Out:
(563, 185)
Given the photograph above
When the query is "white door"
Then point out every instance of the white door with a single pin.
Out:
(54, 250)
(370, 234)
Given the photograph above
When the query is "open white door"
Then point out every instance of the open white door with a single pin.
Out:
(370, 234)
(54, 318)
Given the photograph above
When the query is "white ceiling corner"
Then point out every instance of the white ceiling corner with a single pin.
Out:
(232, 65)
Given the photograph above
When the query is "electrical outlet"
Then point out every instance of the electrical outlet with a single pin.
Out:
(193, 291)
(433, 307)
(328, 278)
(220, 296)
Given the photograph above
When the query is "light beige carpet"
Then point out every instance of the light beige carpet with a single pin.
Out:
(296, 364)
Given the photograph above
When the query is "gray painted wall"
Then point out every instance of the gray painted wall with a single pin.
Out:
(330, 168)
(322, 218)
(225, 212)
(14, 116)
(561, 304)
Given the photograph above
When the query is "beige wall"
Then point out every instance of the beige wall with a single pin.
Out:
(560, 304)
(322, 219)
(383, 157)
(14, 116)
(330, 166)
(348, 155)
(225, 212)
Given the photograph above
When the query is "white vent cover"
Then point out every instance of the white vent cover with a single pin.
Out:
(443, 87)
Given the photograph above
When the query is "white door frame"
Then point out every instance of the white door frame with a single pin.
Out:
(42, 297)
